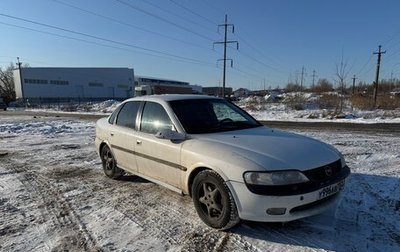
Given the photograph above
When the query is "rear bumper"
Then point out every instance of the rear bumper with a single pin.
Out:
(254, 207)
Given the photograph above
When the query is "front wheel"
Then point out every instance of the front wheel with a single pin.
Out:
(109, 164)
(213, 201)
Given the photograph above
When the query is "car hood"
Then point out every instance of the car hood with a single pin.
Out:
(272, 149)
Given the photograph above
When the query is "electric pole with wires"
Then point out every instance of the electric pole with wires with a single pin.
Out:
(378, 65)
(313, 78)
(225, 43)
(354, 83)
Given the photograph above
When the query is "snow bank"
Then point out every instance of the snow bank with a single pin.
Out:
(300, 106)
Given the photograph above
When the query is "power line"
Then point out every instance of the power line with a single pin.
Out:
(103, 39)
(392, 56)
(176, 15)
(194, 13)
(259, 52)
(128, 24)
(163, 19)
(244, 73)
(91, 42)
(215, 8)
(366, 63)
(259, 61)
(251, 69)
(240, 51)
(390, 39)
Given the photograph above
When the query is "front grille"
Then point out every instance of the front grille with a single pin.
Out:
(325, 172)
(313, 204)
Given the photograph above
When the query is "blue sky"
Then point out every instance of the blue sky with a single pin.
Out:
(174, 38)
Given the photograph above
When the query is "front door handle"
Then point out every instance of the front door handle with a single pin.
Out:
(138, 142)
(112, 133)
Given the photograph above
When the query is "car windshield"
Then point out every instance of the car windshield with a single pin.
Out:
(200, 116)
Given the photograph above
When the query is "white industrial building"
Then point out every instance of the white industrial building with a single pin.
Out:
(74, 83)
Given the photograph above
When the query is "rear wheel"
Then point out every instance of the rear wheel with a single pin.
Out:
(213, 201)
(109, 164)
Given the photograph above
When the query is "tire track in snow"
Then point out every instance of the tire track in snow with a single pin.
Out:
(61, 212)
(172, 219)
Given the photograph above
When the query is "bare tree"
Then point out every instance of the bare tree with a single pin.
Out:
(7, 88)
(322, 86)
(341, 75)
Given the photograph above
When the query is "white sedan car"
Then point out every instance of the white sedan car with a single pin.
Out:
(232, 166)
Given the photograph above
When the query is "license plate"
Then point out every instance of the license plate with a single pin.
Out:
(330, 190)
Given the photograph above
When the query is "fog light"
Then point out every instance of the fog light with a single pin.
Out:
(276, 211)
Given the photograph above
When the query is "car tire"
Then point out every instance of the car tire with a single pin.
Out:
(110, 164)
(213, 201)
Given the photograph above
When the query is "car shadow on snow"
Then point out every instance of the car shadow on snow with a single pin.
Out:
(134, 179)
(365, 219)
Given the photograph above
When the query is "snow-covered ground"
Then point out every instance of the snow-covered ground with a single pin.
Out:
(53, 196)
(269, 111)
(279, 112)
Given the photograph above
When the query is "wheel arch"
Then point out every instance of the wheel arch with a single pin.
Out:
(196, 171)
(192, 175)
(102, 146)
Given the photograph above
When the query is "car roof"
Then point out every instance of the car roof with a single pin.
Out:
(171, 97)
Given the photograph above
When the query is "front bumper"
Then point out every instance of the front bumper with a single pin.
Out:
(254, 207)
(97, 143)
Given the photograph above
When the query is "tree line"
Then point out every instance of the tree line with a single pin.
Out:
(324, 86)
(7, 88)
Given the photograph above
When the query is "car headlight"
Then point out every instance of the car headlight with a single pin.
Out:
(275, 178)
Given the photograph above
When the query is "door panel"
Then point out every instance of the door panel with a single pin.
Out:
(123, 136)
(122, 142)
(157, 158)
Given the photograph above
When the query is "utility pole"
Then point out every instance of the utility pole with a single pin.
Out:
(378, 65)
(354, 82)
(313, 78)
(302, 76)
(225, 43)
(20, 77)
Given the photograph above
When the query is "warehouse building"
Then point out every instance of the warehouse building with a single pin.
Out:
(49, 83)
(150, 85)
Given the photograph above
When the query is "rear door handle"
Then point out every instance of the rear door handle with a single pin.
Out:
(138, 142)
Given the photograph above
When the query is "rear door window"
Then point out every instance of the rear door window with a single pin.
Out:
(127, 114)
(111, 120)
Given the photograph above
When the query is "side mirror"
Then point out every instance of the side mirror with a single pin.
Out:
(170, 135)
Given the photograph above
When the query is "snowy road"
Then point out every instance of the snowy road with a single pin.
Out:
(53, 196)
